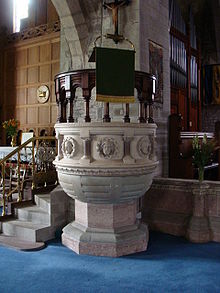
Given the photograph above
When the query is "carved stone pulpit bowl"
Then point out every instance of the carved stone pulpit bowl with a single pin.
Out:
(106, 167)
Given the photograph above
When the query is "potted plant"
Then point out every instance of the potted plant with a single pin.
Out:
(11, 127)
(202, 151)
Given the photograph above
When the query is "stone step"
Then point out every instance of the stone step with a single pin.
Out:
(27, 231)
(16, 243)
(43, 201)
(33, 214)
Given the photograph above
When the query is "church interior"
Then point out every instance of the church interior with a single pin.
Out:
(110, 145)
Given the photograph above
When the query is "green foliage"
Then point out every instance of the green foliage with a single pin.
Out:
(202, 151)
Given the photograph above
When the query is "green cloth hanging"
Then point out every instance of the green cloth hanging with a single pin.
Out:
(114, 75)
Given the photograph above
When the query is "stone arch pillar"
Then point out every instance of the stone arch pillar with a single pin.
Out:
(78, 20)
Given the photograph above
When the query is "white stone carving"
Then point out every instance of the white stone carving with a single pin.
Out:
(69, 147)
(153, 155)
(105, 177)
(107, 172)
(144, 147)
(107, 148)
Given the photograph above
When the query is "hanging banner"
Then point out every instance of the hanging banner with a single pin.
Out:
(114, 75)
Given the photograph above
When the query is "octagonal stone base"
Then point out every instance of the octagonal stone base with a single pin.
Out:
(106, 230)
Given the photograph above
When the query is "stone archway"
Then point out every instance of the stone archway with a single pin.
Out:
(79, 23)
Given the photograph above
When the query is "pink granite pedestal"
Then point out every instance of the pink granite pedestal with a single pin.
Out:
(198, 229)
(106, 230)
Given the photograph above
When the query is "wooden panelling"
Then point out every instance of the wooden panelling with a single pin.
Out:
(45, 52)
(21, 115)
(31, 94)
(21, 96)
(21, 57)
(55, 51)
(27, 65)
(32, 115)
(45, 73)
(33, 55)
(32, 74)
(10, 56)
(53, 95)
(55, 68)
(21, 76)
(11, 97)
(10, 73)
(53, 113)
(44, 117)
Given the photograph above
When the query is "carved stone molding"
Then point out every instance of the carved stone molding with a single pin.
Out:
(153, 155)
(107, 148)
(37, 31)
(144, 147)
(106, 172)
(69, 147)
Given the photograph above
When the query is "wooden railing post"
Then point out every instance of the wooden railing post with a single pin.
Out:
(69, 99)
(59, 102)
(18, 178)
(146, 111)
(33, 165)
(86, 94)
(141, 109)
(126, 117)
(3, 191)
(150, 118)
(106, 117)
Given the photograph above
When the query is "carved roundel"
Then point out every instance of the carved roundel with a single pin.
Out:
(107, 148)
(69, 147)
(144, 147)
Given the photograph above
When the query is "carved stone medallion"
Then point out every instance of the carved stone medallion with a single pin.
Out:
(107, 148)
(69, 147)
(144, 147)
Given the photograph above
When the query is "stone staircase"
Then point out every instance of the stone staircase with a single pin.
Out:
(39, 222)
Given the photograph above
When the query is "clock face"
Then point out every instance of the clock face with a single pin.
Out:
(43, 94)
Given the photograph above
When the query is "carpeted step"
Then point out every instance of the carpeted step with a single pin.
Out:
(33, 214)
(27, 231)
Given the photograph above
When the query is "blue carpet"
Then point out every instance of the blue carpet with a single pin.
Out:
(171, 264)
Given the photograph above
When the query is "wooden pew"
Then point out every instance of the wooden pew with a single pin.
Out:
(180, 152)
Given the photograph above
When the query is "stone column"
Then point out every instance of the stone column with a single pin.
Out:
(106, 230)
(198, 229)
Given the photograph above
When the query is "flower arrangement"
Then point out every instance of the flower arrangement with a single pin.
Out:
(202, 152)
(11, 126)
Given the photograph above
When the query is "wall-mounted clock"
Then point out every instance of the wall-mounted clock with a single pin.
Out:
(43, 94)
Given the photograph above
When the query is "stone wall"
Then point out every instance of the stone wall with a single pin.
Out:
(154, 16)
(210, 115)
(184, 208)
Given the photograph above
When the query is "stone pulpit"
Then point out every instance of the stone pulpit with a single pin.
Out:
(106, 167)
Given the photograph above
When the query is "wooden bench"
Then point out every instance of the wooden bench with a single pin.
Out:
(180, 152)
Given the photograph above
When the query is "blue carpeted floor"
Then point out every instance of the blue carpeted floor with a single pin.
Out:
(171, 264)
